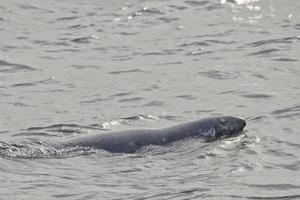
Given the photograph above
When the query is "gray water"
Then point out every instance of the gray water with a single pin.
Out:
(69, 68)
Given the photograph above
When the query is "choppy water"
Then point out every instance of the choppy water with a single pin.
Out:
(69, 68)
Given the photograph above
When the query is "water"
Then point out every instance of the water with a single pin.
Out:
(73, 68)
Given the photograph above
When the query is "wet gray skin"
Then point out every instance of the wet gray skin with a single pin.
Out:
(129, 141)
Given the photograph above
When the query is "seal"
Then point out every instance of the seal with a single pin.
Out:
(129, 141)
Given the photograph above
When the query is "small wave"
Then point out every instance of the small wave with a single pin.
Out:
(22, 104)
(186, 97)
(278, 153)
(120, 94)
(60, 130)
(14, 67)
(169, 63)
(297, 27)
(214, 6)
(36, 133)
(295, 166)
(257, 96)
(153, 53)
(197, 3)
(199, 52)
(47, 81)
(128, 120)
(220, 42)
(80, 67)
(218, 75)
(288, 112)
(260, 76)
(264, 52)
(131, 99)
(40, 150)
(187, 44)
(286, 59)
(84, 40)
(140, 117)
(205, 111)
(178, 7)
(145, 11)
(257, 118)
(95, 100)
(122, 57)
(128, 71)
(287, 40)
(288, 197)
(81, 27)
(127, 33)
(31, 7)
(168, 19)
(67, 18)
(154, 103)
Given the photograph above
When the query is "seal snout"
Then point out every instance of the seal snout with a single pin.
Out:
(241, 122)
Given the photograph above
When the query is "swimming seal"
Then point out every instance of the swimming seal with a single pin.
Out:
(129, 141)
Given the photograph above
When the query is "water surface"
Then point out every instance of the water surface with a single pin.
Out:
(82, 67)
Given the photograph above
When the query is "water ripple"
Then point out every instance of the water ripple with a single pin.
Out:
(7, 67)
(285, 59)
(287, 112)
(218, 75)
(67, 129)
(197, 3)
(257, 96)
(145, 11)
(295, 166)
(288, 197)
(84, 40)
(196, 43)
(120, 61)
(264, 52)
(128, 71)
(287, 40)
(178, 7)
(186, 97)
(155, 103)
(47, 81)
(131, 99)
(120, 94)
(67, 18)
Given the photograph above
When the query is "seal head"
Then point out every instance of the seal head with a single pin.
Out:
(229, 126)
